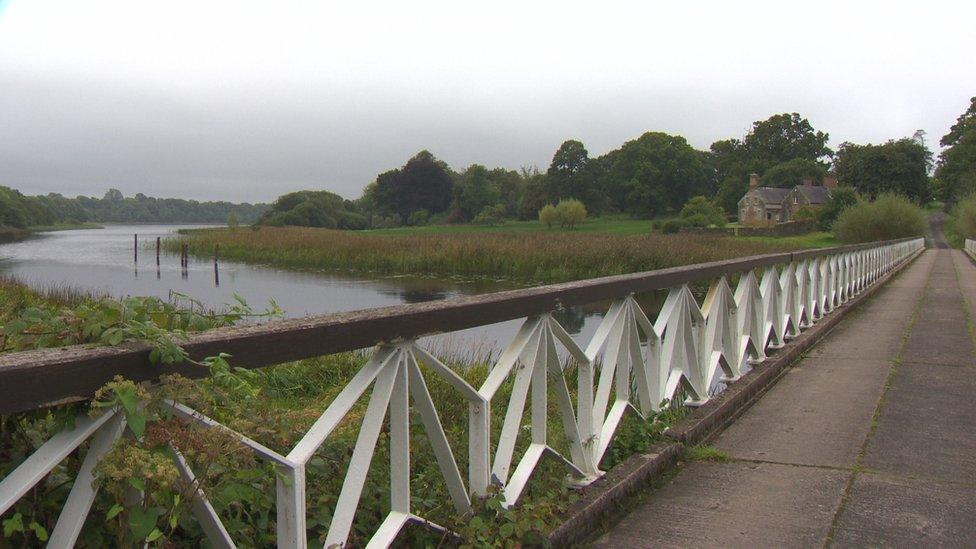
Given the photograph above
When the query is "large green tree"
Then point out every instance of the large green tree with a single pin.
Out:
(786, 143)
(314, 209)
(573, 174)
(957, 163)
(784, 137)
(423, 183)
(898, 166)
(474, 190)
(792, 172)
(655, 173)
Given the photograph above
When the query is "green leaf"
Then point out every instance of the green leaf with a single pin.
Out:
(154, 535)
(138, 484)
(128, 399)
(39, 531)
(137, 423)
(141, 522)
(114, 511)
(506, 530)
(13, 524)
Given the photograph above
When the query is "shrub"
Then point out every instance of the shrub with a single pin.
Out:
(700, 208)
(964, 217)
(571, 212)
(672, 226)
(491, 215)
(656, 225)
(805, 213)
(840, 199)
(890, 216)
(419, 217)
(548, 215)
(697, 220)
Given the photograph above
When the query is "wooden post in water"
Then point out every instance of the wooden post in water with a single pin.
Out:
(216, 272)
(157, 251)
(184, 259)
(135, 248)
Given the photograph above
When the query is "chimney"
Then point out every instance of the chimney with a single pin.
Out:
(830, 182)
(807, 181)
(753, 181)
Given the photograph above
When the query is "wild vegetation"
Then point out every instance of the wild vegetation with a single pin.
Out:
(274, 406)
(890, 216)
(537, 257)
(961, 223)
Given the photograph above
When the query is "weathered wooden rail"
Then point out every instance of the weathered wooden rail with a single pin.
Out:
(631, 364)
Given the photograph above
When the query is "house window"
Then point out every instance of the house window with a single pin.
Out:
(796, 199)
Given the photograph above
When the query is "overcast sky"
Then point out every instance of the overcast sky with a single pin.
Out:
(247, 100)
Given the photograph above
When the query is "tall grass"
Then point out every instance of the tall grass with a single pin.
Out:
(890, 216)
(526, 257)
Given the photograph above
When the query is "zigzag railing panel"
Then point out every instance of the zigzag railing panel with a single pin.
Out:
(631, 365)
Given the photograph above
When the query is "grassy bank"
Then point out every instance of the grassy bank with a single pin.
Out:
(64, 227)
(529, 257)
(12, 234)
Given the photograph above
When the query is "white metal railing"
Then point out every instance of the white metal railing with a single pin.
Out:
(970, 247)
(631, 364)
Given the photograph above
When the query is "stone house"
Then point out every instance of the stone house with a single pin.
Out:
(808, 196)
(762, 206)
(767, 206)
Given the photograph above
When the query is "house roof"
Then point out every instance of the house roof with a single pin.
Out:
(814, 195)
(771, 195)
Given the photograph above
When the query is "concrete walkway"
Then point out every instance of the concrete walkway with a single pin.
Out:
(868, 441)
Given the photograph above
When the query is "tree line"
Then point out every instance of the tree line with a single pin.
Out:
(653, 175)
(21, 211)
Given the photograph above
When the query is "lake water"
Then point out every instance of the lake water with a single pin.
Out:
(101, 260)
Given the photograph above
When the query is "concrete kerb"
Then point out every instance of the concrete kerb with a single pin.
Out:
(601, 499)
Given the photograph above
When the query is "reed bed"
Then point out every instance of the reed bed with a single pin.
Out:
(526, 258)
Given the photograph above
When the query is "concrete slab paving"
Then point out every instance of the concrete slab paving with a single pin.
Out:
(818, 414)
(735, 505)
(927, 426)
(881, 344)
(899, 512)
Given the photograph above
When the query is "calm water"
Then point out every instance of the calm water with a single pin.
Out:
(102, 260)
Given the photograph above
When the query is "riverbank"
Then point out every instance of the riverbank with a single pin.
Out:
(16, 234)
(64, 227)
(12, 234)
(527, 257)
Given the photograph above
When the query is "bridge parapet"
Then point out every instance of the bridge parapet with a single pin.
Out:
(688, 353)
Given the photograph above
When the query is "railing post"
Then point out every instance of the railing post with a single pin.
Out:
(290, 488)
